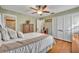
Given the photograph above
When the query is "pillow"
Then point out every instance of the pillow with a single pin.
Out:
(5, 35)
(12, 33)
(20, 35)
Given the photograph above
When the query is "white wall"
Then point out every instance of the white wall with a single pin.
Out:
(21, 18)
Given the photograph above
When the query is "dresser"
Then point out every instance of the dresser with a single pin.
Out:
(75, 43)
(28, 28)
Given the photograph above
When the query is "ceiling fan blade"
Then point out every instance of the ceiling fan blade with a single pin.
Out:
(38, 6)
(33, 8)
(46, 11)
(45, 6)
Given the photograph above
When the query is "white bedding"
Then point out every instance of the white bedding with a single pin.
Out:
(34, 47)
(26, 36)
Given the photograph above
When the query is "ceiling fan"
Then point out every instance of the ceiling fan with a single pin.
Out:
(40, 9)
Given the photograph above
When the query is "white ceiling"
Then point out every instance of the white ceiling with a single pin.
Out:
(25, 9)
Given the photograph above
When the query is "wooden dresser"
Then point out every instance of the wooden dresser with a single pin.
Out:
(28, 28)
(75, 43)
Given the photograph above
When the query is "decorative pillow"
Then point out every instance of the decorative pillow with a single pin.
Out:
(5, 35)
(12, 33)
(20, 35)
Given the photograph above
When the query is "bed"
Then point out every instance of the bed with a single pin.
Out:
(31, 43)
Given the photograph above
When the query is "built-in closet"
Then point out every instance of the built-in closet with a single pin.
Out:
(64, 26)
(61, 27)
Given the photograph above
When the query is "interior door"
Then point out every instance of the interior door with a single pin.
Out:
(67, 25)
(75, 22)
(60, 22)
(40, 24)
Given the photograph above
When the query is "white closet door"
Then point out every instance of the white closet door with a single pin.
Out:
(60, 22)
(67, 25)
(75, 22)
(67, 22)
(63, 26)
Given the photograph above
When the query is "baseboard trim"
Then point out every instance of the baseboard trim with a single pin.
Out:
(62, 39)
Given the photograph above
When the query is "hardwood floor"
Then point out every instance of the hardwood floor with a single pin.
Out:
(61, 46)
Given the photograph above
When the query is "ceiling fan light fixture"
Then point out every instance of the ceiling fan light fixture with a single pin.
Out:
(39, 12)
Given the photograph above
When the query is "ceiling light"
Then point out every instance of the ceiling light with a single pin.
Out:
(39, 12)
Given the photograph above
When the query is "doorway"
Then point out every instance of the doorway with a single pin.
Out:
(44, 26)
(40, 25)
(48, 25)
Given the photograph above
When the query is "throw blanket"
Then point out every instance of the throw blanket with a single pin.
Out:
(17, 44)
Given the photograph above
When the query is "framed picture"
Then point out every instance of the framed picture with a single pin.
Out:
(10, 21)
(48, 20)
